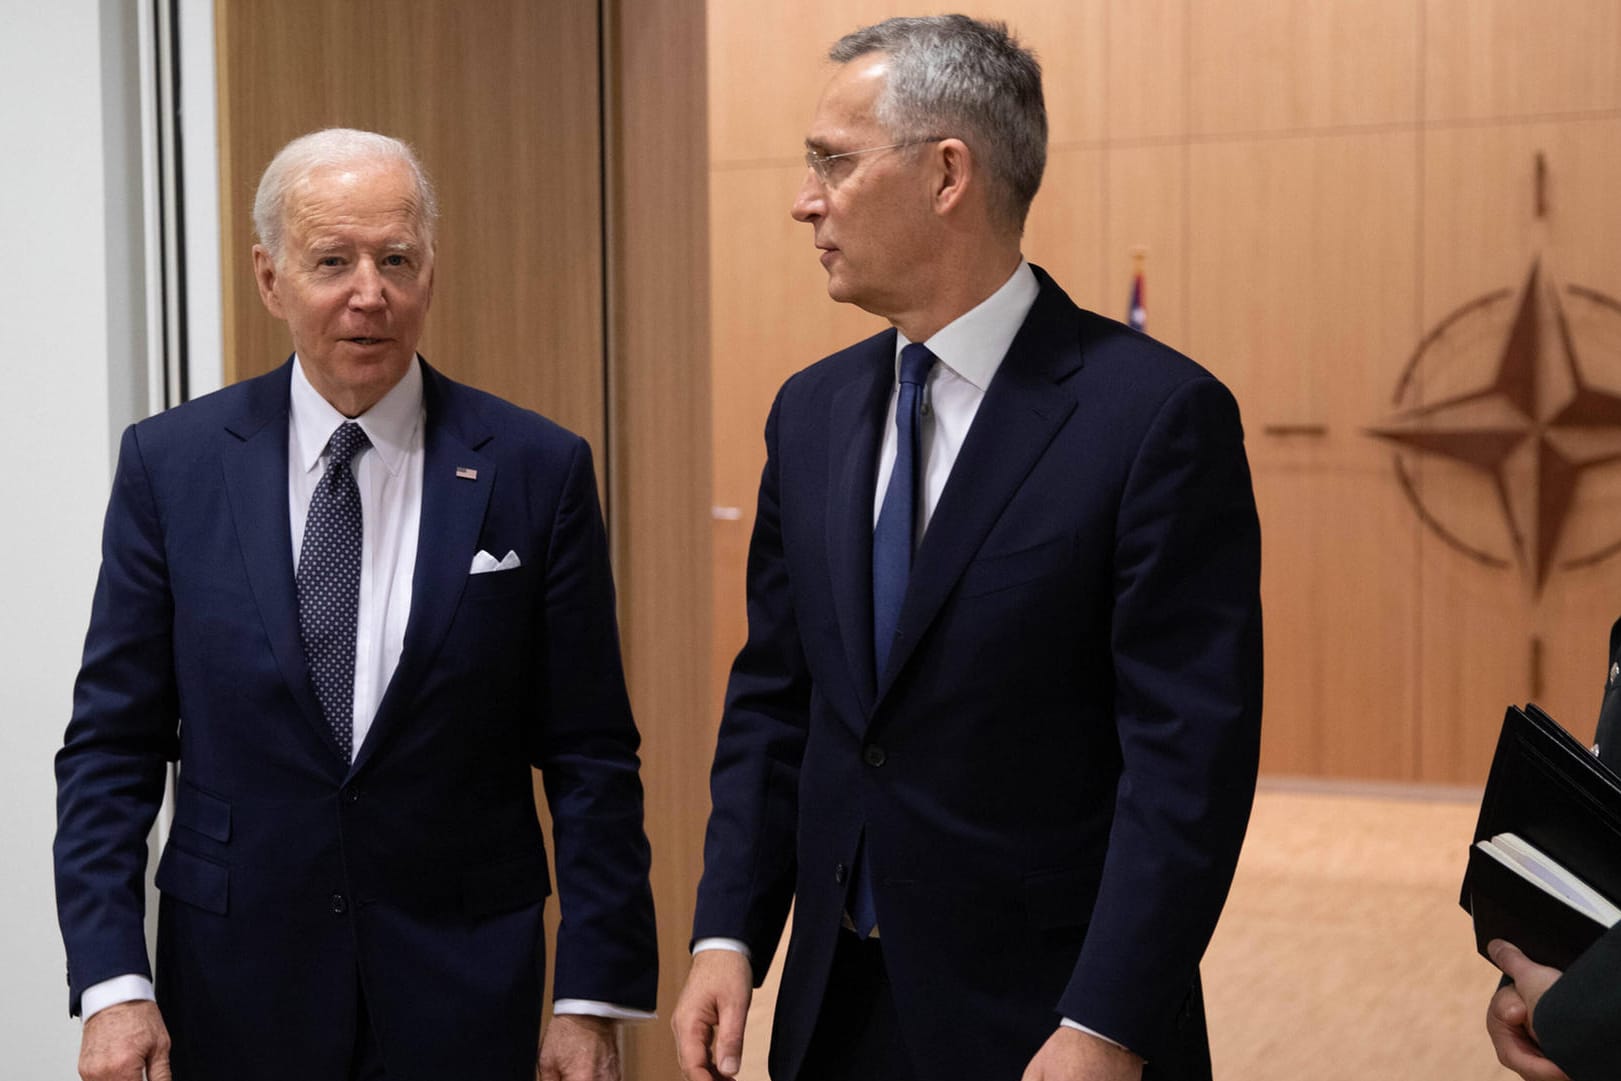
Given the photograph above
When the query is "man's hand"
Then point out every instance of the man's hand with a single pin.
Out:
(126, 1042)
(1072, 1055)
(1509, 1016)
(578, 1047)
(709, 1016)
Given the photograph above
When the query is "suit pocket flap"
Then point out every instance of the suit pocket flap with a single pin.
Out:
(504, 886)
(191, 878)
(988, 574)
(198, 811)
(1054, 899)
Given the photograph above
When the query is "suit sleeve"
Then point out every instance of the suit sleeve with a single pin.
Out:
(124, 728)
(749, 847)
(1576, 1021)
(1186, 645)
(586, 748)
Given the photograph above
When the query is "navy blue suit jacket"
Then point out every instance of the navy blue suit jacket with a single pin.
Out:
(291, 878)
(1055, 772)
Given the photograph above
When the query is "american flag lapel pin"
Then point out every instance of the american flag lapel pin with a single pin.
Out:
(465, 473)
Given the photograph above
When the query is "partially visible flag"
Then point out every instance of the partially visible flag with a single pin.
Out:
(1137, 313)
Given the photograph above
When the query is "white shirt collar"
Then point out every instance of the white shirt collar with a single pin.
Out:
(390, 424)
(974, 343)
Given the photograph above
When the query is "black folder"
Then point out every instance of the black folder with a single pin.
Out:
(1555, 794)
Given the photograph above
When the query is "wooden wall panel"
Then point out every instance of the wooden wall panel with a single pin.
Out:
(1274, 235)
(500, 100)
(1289, 65)
(1146, 93)
(1146, 189)
(1065, 227)
(1071, 41)
(1483, 236)
(1494, 59)
(1302, 260)
(658, 354)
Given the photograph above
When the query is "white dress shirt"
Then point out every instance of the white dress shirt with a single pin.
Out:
(388, 474)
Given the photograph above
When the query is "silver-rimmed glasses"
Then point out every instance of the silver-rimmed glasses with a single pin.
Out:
(822, 164)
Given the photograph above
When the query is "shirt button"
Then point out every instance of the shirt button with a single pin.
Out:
(840, 873)
(873, 755)
(339, 904)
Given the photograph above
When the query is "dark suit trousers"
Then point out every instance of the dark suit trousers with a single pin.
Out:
(858, 1036)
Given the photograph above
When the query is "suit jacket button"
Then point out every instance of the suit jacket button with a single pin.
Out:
(840, 873)
(352, 795)
(339, 904)
(873, 755)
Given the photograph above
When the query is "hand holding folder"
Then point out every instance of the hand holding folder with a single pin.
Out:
(1545, 870)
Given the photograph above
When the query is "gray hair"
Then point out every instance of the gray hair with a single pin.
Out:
(950, 75)
(331, 147)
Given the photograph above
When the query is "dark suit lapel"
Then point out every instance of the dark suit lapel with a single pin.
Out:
(453, 508)
(255, 464)
(854, 435)
(1024, 408)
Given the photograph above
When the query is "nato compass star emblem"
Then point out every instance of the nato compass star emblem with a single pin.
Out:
(1491, 455)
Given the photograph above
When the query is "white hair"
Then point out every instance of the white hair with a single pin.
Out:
(323, 149)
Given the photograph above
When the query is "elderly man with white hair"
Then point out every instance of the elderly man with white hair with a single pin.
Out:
(355, 601)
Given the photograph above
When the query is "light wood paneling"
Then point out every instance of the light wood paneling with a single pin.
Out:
(1146, 95)
(1325, 226)
(1302, 273)
(1494, 59)
(500, 100)
(1146, 209)
(1481, 230)
(1289, 65)
(660, 431)
(1065, 230)
(1482, 236)
(1071, 42)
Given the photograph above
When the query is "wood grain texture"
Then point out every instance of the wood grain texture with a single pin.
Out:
(1297, 65)
(659, 369)
(1146, 95)
(1499, 59)
(500, 101)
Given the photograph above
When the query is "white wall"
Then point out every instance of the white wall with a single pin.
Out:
(71, 337)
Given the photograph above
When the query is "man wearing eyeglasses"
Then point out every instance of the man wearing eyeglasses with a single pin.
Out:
(995, 727)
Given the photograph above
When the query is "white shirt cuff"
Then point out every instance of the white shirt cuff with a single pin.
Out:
(1078, 1027)
(593, 1008)
(98, 996)
(733, 944)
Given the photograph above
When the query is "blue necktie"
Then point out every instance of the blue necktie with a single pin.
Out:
(329, 584)
(892, 541)
(894, 535)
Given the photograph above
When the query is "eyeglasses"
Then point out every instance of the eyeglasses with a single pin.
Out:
(822, 164)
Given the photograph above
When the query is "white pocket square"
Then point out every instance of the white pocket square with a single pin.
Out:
(484, 562)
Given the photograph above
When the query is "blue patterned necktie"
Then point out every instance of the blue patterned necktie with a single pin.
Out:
(329, 584)
(892, 541)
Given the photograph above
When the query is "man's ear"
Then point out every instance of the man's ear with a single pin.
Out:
(955, 175)
(265, 276)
